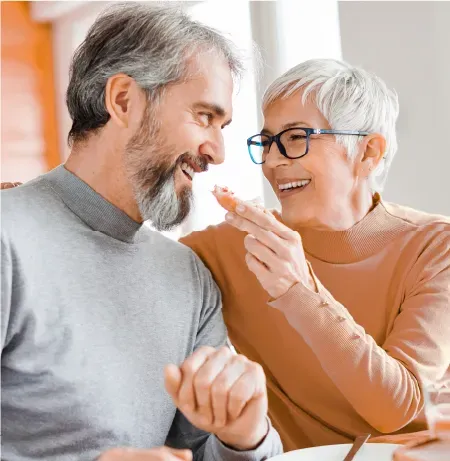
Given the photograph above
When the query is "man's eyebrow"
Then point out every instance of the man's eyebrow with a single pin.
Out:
(218, 111)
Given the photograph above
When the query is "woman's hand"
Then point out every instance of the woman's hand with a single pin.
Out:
(274, 252)
(9, 185)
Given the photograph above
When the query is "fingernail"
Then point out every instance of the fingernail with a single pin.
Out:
(240, 208)
(229, 217)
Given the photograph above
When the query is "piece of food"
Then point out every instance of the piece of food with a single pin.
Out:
(229, 201)
(225, 197)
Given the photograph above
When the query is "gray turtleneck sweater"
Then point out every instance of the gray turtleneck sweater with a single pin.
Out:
(94, 306)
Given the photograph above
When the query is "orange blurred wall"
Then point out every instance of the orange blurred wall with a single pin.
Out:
(29, 144)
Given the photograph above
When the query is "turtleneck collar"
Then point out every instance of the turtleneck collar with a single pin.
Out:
(363, 239)
(91, 207)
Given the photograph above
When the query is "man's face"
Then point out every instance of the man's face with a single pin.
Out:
(178, 138)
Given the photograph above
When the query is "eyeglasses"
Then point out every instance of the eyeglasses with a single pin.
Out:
(293, 143)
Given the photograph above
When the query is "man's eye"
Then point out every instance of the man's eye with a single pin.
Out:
(206, 117)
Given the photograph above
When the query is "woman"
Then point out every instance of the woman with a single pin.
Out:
(343, 298)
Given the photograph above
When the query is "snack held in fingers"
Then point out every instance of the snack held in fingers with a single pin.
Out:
(225, 197)
(229, 201)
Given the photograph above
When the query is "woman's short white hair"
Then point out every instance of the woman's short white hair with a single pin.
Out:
(350, 98)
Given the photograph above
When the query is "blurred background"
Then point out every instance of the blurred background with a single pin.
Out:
(406, 43)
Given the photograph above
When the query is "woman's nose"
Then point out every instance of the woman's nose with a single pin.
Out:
(274, 157)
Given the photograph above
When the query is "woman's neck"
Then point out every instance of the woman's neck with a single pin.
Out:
(348, 215)
(341, 216)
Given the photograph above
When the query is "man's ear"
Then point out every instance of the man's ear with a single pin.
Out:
(118, 98)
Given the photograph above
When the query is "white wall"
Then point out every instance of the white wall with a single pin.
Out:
(407, 44)
(237, 172)
(288, 33)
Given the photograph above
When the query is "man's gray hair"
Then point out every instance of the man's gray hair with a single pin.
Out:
(350, 98)
(151, 43)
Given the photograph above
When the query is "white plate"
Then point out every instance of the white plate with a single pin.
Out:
(368, 452)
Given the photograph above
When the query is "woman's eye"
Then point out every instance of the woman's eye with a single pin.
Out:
(297, 138)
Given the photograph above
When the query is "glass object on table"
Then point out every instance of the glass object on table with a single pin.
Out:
(437, 409)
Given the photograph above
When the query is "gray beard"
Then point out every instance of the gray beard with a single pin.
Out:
(153, 179)
(162, 206)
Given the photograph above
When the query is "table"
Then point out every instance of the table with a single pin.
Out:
(401, 439)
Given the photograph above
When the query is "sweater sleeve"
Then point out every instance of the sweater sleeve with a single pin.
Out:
(6, 282)
(207, 447)
(382, 381)
(183, 434)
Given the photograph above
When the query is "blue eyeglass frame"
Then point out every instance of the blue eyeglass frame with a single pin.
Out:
(309, 131)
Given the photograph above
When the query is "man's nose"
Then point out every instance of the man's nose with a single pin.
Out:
(214, 150)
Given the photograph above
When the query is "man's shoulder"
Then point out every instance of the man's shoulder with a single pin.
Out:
(26, 203)
(170, 252)
(169, 246)
(19, 197)
(220, 247)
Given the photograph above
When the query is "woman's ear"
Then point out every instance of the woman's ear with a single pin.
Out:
(374, 146)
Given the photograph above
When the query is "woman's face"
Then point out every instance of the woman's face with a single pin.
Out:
(334, 181)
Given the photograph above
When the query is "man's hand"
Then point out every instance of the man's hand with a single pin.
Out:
(221, 393)
(155, 454)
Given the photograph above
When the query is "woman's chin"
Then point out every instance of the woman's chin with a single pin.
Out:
(293, 218)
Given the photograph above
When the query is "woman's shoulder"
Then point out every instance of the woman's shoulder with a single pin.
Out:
(221, 236)
(214, 241)
(216, 231)
(418, 218)
(427, 242)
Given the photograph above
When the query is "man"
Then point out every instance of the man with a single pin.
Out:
(95, 304)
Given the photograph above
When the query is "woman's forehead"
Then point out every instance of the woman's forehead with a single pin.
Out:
(287, 111)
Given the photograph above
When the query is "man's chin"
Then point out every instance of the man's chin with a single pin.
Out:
(168, 226)
(168, 206)
(166, 223)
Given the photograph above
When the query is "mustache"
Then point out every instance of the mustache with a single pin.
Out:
(197, 160)
(155, 177)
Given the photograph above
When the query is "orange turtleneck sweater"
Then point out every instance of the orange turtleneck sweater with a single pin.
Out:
(351, 365)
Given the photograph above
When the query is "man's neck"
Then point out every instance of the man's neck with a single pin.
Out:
(101, 167)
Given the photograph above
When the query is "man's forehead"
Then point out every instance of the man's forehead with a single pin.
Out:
(214, 95)
(209, 86)
(215, 70)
